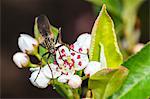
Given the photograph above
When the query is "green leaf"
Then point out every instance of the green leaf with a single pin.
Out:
(103, 32)
(137, 83)
(107, 81)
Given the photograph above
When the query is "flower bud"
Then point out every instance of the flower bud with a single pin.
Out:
(63, 78)
(27, 44)
(21, 59)
(92, 68)
(41, 81)
(75, 81)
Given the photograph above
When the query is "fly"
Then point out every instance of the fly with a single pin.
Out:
(49, 41)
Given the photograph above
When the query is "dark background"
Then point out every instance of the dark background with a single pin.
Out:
(74, 16)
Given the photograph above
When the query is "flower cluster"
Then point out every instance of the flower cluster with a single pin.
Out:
(69, 60)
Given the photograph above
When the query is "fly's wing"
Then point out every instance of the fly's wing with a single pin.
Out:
(44, 26)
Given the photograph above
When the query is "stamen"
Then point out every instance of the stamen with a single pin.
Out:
(71, 46)
(59, 57)
(55, 63)
(80, 50)
(63, 55)
(73, 60)
(62, 51)
(72, 54)
(80, 63)
(78, 57)
(65, 62)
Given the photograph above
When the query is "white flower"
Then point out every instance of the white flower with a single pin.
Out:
(75, 81)
(82, 44)
(27, 44)
(55, 69)
(41, 81)
(63, 58)
(92, 68)
(21, 59)
(84, 40)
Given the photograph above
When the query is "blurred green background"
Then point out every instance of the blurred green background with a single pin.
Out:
(75, 17)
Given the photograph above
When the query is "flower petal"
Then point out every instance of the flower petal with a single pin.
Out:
(55, 69)
(41, 81)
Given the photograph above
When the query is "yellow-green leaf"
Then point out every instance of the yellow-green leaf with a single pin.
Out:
(107, 81)
(103, 31)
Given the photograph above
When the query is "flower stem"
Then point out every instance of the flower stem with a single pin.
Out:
(33, 65)
(84, 77)
(62, 89)
(76, 94)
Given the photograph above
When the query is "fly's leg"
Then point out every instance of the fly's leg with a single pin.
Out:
(50, 69)
(49, 65)
(58, 36)
(37, 74)
(40, 66)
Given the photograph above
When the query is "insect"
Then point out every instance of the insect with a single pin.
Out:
(49, 41)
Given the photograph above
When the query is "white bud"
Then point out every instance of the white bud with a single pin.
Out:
(63, 78)
(92, 68)
(75, 81)
(21, 59)
(27, 44)
(41, 81)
